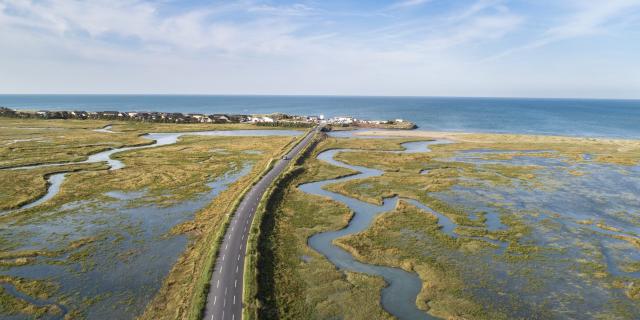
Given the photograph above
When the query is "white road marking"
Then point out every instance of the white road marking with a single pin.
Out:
(218, 285)
(242, 238)
(247, 216)
(233, 316)
(224, 304)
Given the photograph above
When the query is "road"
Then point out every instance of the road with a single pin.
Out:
(224, 300)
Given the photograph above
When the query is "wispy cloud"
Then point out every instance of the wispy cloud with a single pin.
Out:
(409, 3)
(589, 18)
(273, 46)
(479, 21)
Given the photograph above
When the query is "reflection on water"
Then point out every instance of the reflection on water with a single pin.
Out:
(579, 221)
(115, 276)
(158, 139)
(399, 296)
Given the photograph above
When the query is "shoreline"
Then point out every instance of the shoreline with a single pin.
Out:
(482, 136)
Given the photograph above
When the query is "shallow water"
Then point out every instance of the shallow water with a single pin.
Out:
(10, 289)
(115, 276)
(126, 266)
(159, 139)
(54, 181)
(575, 220)
(106, 129)
(399, 297)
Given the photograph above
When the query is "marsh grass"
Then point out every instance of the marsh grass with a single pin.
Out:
(184, 291)
(289, 269)
(411, 239)
(169, 175)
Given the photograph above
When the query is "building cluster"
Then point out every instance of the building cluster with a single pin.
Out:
(173, 117)
(276, 119)
(346, 120)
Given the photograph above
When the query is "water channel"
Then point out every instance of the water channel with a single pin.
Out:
(115, 276)
(54, 181)
(399, 297)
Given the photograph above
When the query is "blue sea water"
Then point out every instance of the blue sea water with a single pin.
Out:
(574, 117)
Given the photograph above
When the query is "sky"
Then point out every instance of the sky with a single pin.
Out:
(488, 48)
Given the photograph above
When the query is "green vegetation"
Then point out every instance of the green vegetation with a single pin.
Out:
(401, 238)
(11, 305)
(458, 273)
(29, 142)
(184, 291)
(163, 176)
(289, 270)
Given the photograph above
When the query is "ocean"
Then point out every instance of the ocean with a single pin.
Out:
(573, 117)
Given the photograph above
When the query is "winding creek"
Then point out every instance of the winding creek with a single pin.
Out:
(133, 252)
(399, 296)
(55, 180)
(558, 220)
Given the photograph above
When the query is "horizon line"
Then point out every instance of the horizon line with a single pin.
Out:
(316, 95)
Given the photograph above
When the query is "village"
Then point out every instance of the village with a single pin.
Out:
(276, 119)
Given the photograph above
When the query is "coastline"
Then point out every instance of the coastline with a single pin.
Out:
(603, 150)
(482, 136)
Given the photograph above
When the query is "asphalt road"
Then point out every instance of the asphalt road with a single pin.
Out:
(225, 294)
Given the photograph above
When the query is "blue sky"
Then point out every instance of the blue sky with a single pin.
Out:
(526, 48)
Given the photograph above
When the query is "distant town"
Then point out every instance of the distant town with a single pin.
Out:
(275, 119)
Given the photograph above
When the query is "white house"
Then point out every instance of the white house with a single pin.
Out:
(260, 119)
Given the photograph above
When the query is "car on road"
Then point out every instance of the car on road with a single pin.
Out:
(286, 158)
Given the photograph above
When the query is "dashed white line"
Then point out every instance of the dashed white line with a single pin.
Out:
(223, 257)
(218, 285)
(234, 299)
(235, 283)
(238, 257)
(237, 268)
(215, 298)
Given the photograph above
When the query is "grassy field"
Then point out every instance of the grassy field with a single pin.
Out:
(410, 238)
(30, 142)
(296, 282)
(166, 176)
